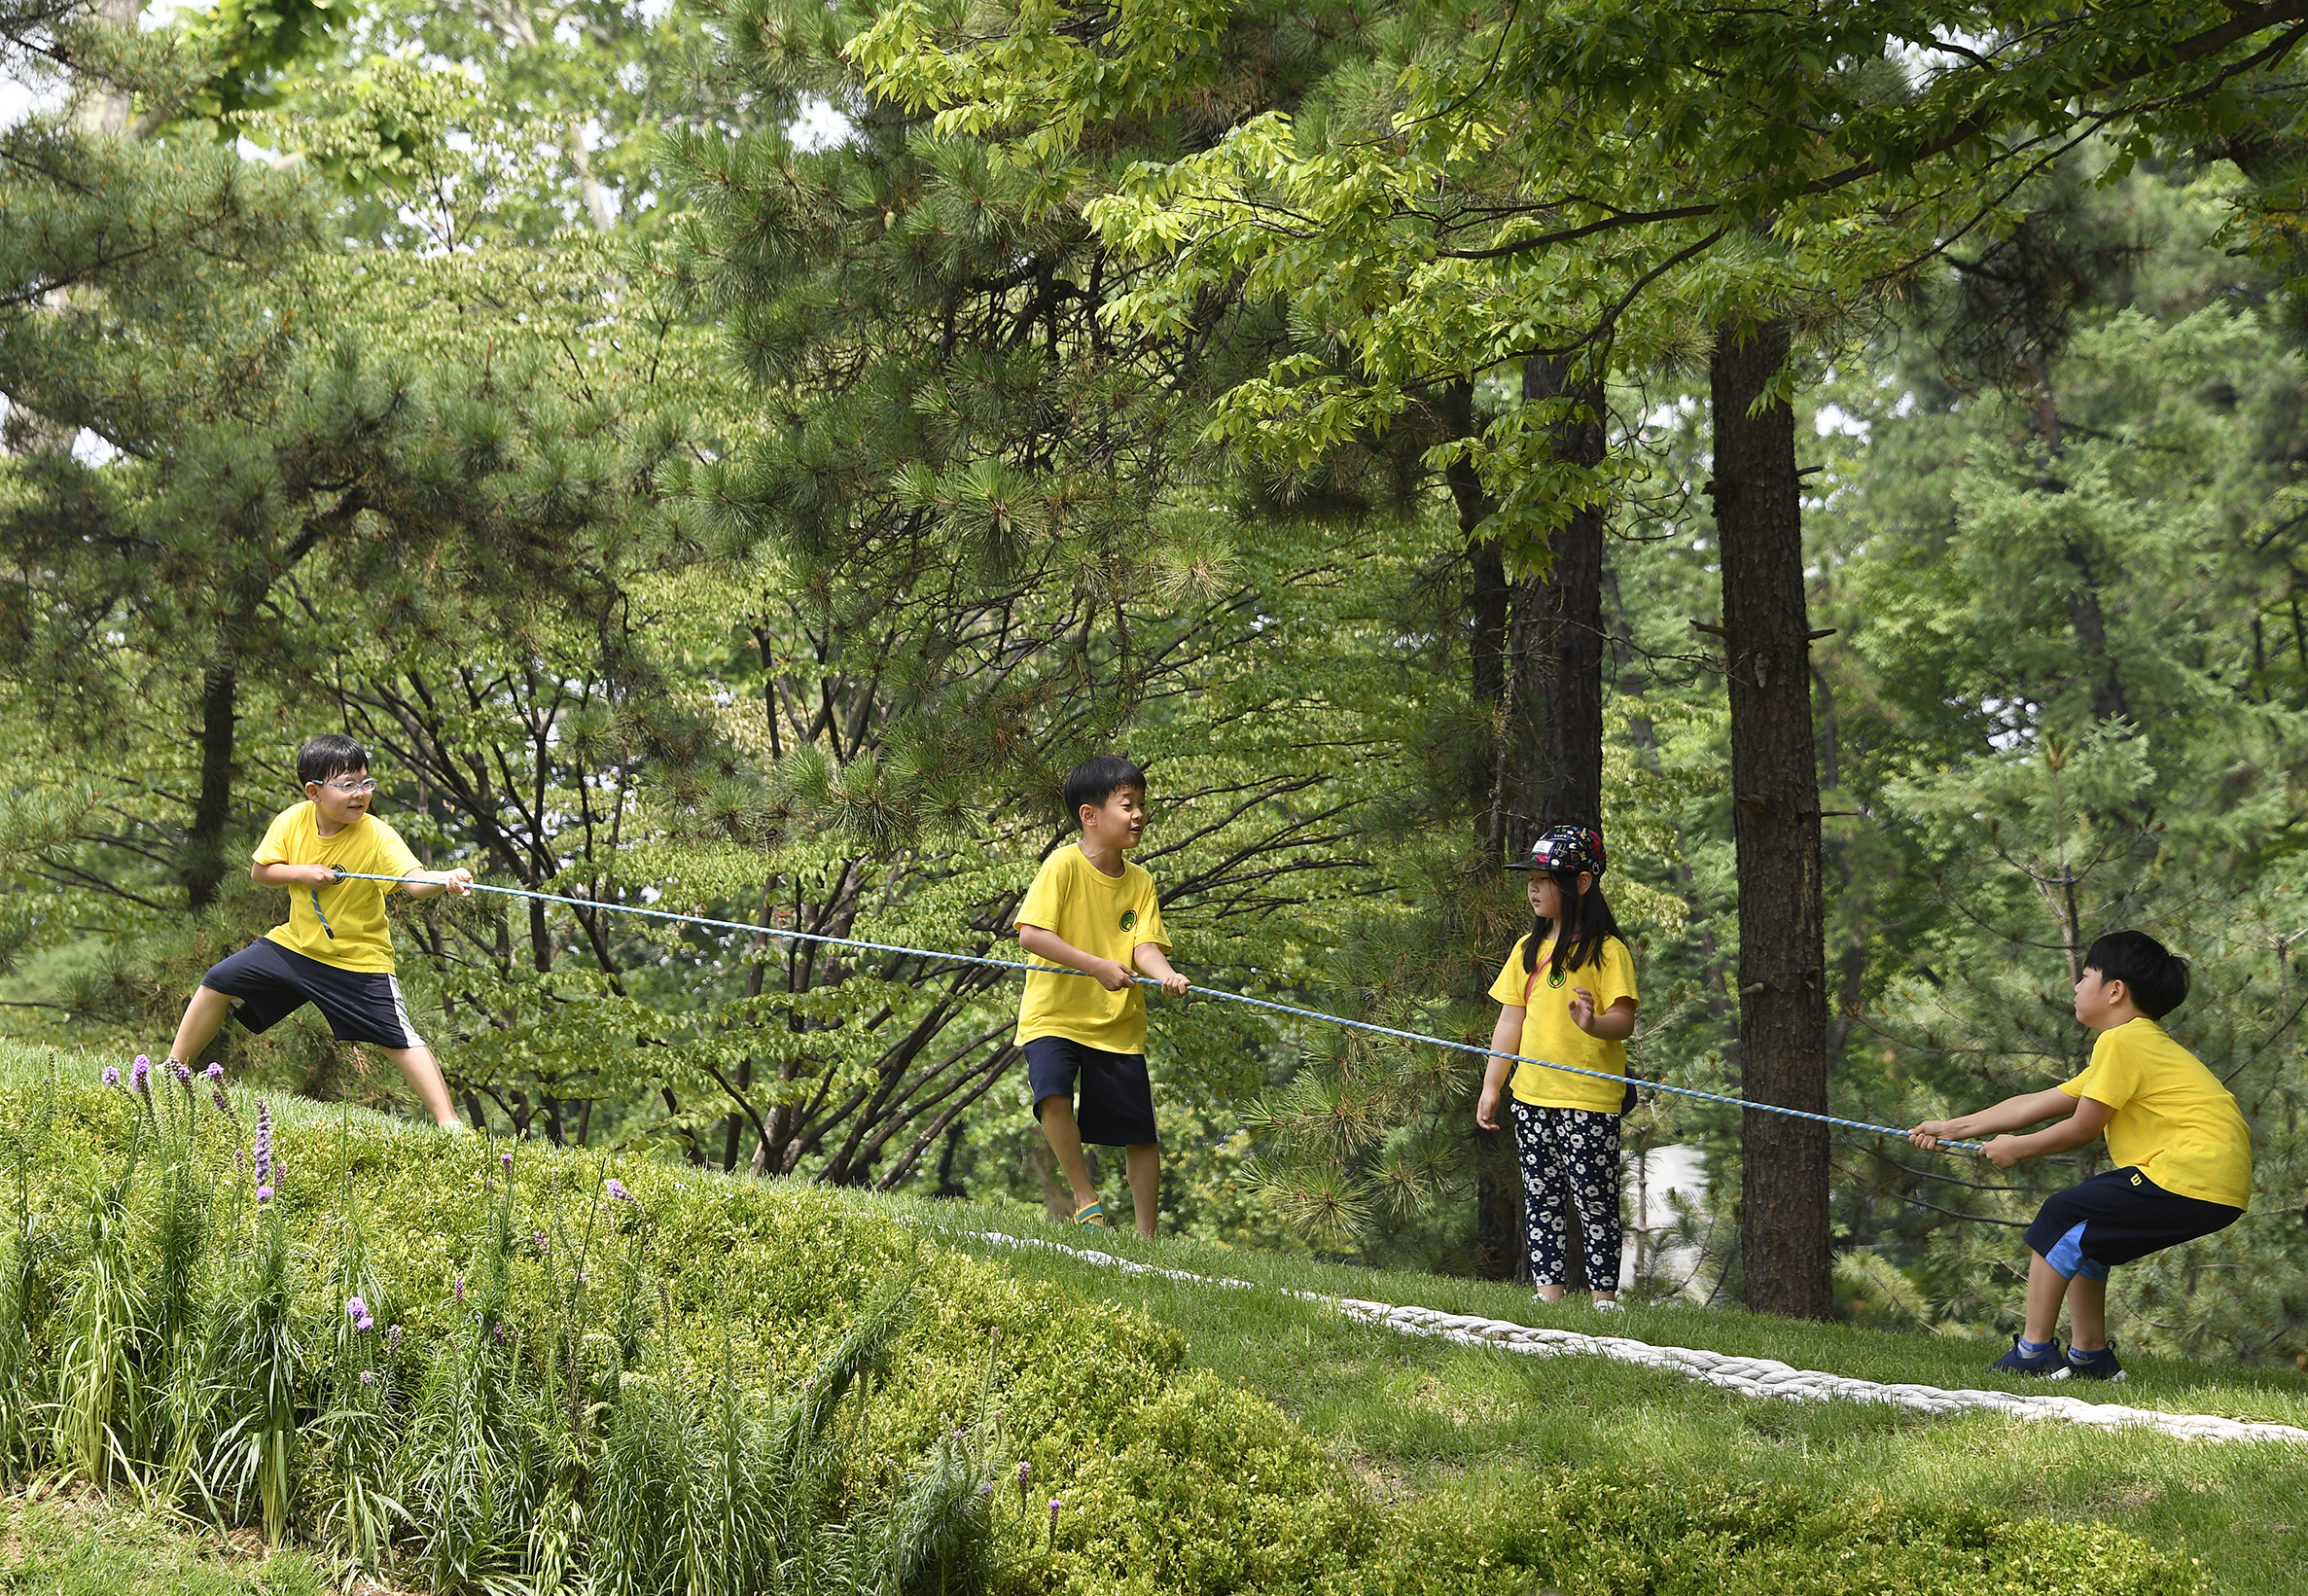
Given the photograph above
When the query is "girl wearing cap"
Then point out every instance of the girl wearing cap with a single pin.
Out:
(1566, 996)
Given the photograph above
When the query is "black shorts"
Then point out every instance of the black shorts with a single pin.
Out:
(1116, 1098)
(2116, 1218)
(272, 982)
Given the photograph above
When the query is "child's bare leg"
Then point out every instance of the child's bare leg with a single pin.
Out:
(423, 1071)
(2047, 1286)
(1063, 1133)
(1145, 1164)
(2087, 1313)
(205, 1016)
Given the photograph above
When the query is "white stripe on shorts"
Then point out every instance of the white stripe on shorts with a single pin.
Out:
(401, 1014)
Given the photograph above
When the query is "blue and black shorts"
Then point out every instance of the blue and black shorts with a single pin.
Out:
(272, 982)
(2116, 1218)
(1117, 1108)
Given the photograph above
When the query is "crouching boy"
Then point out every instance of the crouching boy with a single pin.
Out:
(2182, 1150)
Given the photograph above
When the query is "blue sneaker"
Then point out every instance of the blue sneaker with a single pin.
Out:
(2047, 1365)
(2092, 1366)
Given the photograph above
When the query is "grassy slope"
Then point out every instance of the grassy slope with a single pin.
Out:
(1422, 1417)
(1467, 1429)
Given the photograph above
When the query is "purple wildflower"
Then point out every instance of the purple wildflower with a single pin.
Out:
(263, 1148)
(1054, 1523)
(537, 1239)
(617, 1189)
(263, 1193)
(140, 1074)
(461, 1288)
(366, 1325)
(356, 1311)
(220, 1102)
(1025, 1470)
(393, 1338)
(367, 1379)
(215, 1070)
(183, 1073)
(112, 1075)
(504, 1160)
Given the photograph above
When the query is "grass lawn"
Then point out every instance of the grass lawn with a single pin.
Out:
(1415, 1416)
(82, 1544)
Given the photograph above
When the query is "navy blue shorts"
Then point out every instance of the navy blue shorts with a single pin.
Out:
(2116, 1218)
(272, 982)
(1117, 1108)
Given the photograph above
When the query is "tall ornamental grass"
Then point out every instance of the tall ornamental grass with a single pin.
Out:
(167, 1342)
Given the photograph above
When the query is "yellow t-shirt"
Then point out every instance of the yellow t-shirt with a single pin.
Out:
(355, 910)
(1109, 916)
(2174, 1121)
(1548, 1034)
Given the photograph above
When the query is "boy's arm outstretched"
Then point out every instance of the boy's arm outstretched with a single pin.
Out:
(418, 883)
(2081, 1119)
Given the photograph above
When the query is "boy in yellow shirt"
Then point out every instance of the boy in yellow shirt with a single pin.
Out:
(1092, 910)
(2183, 1151)
(334, 952)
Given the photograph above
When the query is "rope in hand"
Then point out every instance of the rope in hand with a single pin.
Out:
(1218, 992)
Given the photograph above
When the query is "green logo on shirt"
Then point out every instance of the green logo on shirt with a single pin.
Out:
(1130, 918)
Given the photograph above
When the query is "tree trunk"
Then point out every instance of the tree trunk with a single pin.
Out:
(1555, 720)
(212, 810)
(1783, 1005)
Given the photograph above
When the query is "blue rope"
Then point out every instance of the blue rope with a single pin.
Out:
(1204, 991)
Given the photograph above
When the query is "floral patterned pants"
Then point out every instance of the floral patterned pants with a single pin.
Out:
(1569, 1155)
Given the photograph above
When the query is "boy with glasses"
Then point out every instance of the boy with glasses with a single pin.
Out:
(334, 952)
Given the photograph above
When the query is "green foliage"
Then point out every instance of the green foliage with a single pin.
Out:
(252, 42)
(1607, 181)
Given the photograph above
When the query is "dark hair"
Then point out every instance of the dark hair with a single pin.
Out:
(1596, 926)
(1094, 781)
(2155, 976)
(330, 754)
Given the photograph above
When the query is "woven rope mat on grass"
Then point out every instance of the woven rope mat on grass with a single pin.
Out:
(1749, 1376)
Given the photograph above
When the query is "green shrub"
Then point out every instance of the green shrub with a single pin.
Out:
(1605, 1532)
